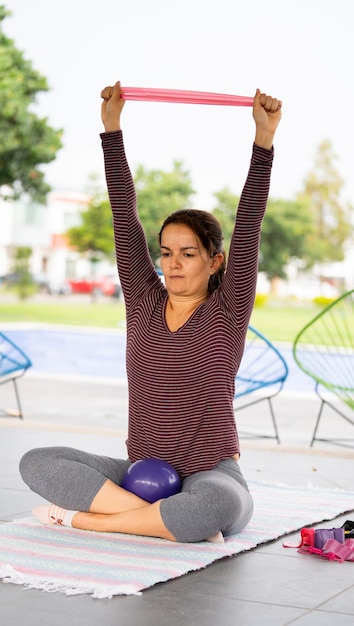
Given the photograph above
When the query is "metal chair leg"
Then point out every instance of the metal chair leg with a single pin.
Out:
(20, 414)
(273, 420)
(317, 423)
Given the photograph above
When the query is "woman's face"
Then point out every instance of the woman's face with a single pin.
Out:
(185, 262)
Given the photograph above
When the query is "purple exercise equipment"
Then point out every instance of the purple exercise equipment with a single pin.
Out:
(151, 479)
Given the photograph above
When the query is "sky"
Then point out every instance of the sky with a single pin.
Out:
(297, 50)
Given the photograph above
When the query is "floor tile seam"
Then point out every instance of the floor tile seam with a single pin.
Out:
(296, 619)
(77, 378)
(337, 614)
(250, 601)
(225, 596)
(17, 489)
(76, 428)
(336, 595)
(102, 430)
(303, 450)
(307, 610)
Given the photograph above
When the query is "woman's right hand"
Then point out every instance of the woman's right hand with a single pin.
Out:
(267, 115)
(112, 107)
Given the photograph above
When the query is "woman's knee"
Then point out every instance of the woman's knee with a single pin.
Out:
(28, 464)
(240, 512)
(35, 463)
(210, 507)
(231, 503)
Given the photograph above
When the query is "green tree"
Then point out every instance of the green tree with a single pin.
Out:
(160, 193)
(284, 230)
(27, 141)
(225, 212)
(24, 286)
(331, 216)
(94, 236)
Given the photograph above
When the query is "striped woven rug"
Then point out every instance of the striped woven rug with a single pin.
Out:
(70, 561)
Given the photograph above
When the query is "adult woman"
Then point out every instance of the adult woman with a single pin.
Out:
(185, 340)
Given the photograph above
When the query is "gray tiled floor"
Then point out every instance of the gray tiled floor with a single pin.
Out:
(266, 586)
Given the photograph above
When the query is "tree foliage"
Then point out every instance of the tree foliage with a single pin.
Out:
(331, 217)
(284, 230)
(160, 193)
(314, 227)
(225, 212)
(24, 286)
(94, 236)
(27, 141)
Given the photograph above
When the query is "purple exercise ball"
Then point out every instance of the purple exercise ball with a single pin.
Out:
(151, 479)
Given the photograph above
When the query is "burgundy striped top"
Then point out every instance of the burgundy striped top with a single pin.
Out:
(181, 384)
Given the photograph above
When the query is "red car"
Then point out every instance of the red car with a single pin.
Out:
(108, 286)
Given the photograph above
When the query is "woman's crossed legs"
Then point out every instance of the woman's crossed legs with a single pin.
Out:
(88, 485)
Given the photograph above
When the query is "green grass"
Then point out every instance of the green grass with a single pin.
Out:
(78, 312)
(278, 320)
(282, 322)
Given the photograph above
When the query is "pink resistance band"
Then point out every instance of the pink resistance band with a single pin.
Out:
(185, 97)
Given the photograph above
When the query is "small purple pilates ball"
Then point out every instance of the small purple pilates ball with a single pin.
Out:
(151, 479)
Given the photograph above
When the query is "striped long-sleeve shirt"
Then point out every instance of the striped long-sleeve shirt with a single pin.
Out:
(181, 384)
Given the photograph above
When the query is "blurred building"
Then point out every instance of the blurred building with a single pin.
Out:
(43, 228)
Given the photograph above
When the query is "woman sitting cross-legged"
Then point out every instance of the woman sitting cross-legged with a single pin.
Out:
(185, 340)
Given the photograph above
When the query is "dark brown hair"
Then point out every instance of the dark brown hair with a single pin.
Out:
(208, 229)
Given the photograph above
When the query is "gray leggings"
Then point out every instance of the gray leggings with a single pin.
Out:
(209, 501)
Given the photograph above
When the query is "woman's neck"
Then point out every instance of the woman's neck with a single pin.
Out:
(179, 310)
(182, 304)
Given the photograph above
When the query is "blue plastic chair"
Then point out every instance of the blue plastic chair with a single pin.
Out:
(13, 364)
(324, 350)
(263, 371)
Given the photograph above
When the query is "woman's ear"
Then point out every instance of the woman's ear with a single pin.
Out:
(216, 261)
